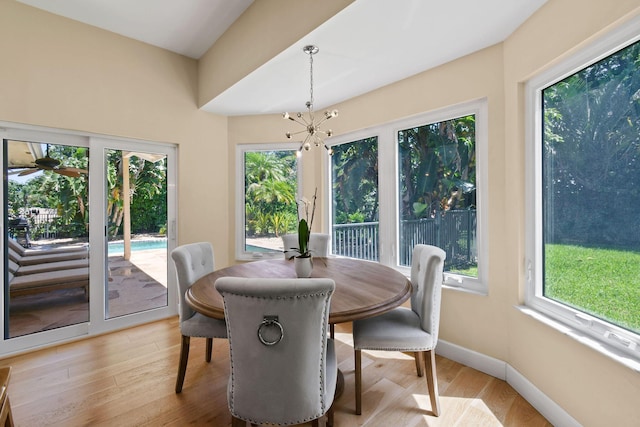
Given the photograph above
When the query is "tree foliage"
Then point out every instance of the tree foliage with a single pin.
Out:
(270, 193)
(147, 194)
(591, 153)
(437, 165)
(355, 181)
(69, 196)
(436, 172)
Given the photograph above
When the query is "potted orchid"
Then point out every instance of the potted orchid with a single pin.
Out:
(304, 224)
(303, 260)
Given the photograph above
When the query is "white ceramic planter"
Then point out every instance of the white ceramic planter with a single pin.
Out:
(303, 266)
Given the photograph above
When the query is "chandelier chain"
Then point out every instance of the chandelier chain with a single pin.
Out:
(311, 79)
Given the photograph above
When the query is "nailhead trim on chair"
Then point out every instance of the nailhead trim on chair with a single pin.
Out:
(322, 361)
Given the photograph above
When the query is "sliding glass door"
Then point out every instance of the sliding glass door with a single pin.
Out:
(88, 224)
(46, 214)
(136, 217)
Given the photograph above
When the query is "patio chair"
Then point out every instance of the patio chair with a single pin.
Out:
(55, 250)
(19, 268)
(24, 257)
(283, 366)
(35, 283)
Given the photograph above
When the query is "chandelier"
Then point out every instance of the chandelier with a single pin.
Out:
(314, 135)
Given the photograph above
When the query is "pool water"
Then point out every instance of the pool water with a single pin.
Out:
(252, 248)
(137, 245)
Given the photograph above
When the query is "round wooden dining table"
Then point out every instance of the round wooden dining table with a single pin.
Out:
(363, 288)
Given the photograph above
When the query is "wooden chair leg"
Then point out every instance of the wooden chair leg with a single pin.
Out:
(315, 423)
(417, 356)
(237, 422)
(330, 415)
(332, 331)
(182, 366)
(432, 380)
(209, 349)
(6, 417)
(358, 363)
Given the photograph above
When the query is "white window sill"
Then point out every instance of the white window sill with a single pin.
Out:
(451, 287)
(596, 345)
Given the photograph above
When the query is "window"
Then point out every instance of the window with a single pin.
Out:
(267, 179)
(584, 189)
(437, 189)
(354, 184)
(418, 180)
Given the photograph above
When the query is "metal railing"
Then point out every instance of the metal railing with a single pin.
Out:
(454, 231)
(356, 240)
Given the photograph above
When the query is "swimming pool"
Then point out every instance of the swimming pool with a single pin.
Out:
(252, 248)
(137, 245)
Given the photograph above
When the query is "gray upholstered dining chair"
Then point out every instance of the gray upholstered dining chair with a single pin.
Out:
(194, 261)
(405, 329)
(283, 366)
(318, 245)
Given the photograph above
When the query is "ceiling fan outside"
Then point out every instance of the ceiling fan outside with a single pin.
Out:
(48, 163)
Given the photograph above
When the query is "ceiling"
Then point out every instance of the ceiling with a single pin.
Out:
(187, 27)
(21, 154)
(369, 44)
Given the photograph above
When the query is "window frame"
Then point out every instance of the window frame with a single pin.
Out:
(388, 196)
(240, 253)
(611, 336)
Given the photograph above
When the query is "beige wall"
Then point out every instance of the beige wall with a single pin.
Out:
(59, 73)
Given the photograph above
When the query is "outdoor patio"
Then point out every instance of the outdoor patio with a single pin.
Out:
(133, 286)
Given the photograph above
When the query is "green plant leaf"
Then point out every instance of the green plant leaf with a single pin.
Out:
(303, 237)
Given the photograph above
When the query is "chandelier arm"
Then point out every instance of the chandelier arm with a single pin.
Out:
(306, 122)
(303, 122)
(296, 133)
(305, 145)
(324, 119)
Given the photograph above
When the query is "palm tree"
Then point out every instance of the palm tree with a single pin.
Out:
(147, 186)
(270, 184)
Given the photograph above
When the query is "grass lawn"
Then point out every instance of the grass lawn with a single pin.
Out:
(602, 282)
(471, 271)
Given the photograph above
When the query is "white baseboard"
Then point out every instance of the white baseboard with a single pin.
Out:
(478, 361)
(502, 370)
(543, 404)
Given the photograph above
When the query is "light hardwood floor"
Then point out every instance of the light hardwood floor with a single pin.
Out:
(127, 378)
